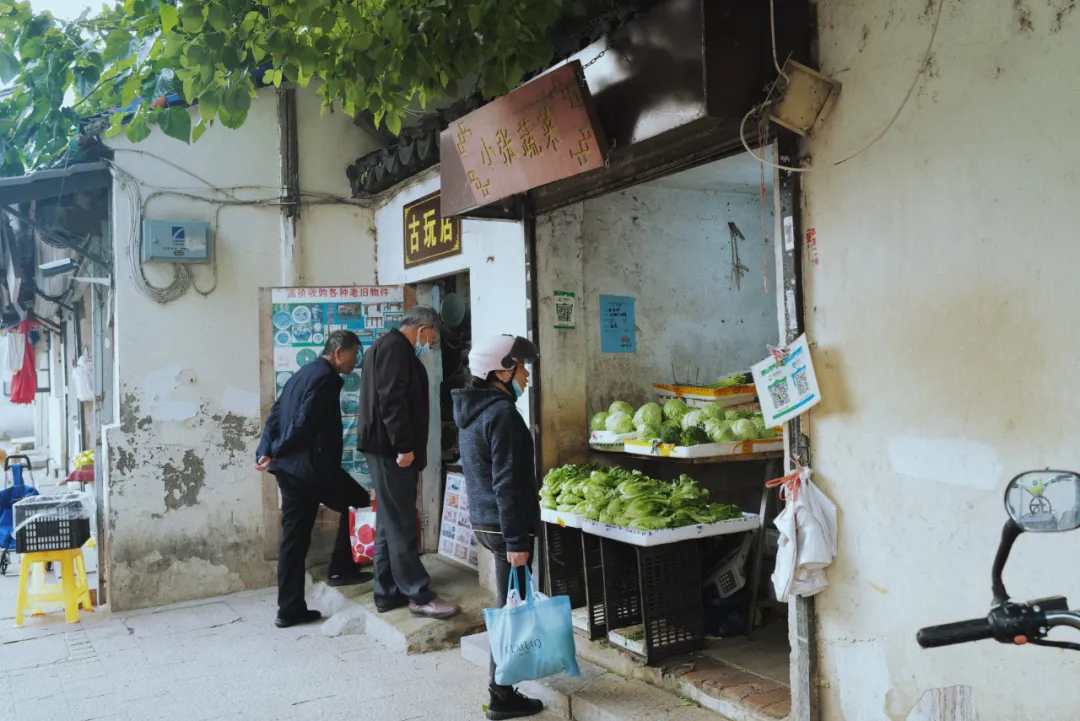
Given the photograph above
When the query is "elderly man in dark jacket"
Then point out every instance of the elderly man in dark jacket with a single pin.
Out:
(302, 446)
(393, 434)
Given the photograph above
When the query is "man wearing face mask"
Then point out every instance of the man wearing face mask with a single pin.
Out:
(393, 435)
(500, 473)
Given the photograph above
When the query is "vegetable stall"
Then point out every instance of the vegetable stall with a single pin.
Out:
(627, 546)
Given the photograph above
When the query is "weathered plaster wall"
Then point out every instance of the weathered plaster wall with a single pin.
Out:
(943, 311)
(185, 505)
(670, 249)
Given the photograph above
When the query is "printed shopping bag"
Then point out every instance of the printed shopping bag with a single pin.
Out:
(532, 640)
(362, 535)
(362, 523)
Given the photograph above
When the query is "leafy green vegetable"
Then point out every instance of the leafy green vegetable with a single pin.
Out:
(738, 415)
(620, 423)
(621, 407)
(648, 432)
(670, 434)
(694, 436)
(694, 418)
(649, 413)
(744, 430)
(675, 409)
(714, 412)
(722, 433)
(599, 421)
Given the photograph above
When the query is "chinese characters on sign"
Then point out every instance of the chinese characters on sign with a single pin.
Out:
(428, 235)
(788, 387)
(617, 334)
(544, 131)
(304, 317)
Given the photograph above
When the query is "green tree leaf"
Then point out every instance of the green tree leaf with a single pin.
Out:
(137, 130)
(9, 65)
(192, 18)
(169, 17)
(176, 123)
(198, 130)
(219, 17)
(209, 102)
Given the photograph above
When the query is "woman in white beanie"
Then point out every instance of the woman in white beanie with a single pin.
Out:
(500, 474)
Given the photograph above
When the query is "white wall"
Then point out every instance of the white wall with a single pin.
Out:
(944, 314)
(185, 505)
(493, 253)
(670, 249)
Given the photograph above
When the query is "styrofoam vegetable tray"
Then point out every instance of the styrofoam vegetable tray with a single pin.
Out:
(699, 396)
(560, 518)
(704, 450)
(748, 522)
(608, 438)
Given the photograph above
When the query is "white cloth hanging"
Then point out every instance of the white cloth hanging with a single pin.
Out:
(12, 352)
(807, 543)
(82, 378)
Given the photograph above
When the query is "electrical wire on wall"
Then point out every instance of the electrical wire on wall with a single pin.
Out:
(903, 103)
(183, 278)
(181, 274)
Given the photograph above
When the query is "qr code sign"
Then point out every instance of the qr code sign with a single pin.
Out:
(779, 393)
(564, 312)
(802, 385)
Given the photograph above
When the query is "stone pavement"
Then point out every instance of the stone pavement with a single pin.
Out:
(219, 660)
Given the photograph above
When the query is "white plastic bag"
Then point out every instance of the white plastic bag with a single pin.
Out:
(82, 379)
(807, 543)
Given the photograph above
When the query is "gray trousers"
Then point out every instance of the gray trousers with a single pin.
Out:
(398, 569)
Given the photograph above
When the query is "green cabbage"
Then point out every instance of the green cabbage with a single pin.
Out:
(620, 423)
(767, 433)
(714, 411)
(650, 523)
(744, 430)
(759, 422)
(675, 409)
(738, 415)
(621, 407)
(648, 431)
(722, 434)
(693, 419)
(649, 413)
(599, 421)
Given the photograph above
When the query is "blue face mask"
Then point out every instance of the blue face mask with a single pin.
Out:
(518, 390)
(421, 349)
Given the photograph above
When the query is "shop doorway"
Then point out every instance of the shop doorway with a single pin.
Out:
(692, 257)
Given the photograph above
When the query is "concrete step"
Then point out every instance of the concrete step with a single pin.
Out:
(352, 610)
(597, 695)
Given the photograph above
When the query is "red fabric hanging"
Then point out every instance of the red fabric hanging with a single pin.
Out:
(24, 383)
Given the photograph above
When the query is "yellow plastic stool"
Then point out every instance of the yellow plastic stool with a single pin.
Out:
(73, 591)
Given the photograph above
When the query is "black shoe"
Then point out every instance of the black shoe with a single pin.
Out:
(309, 616)
(350, 578)
(398, 602)
(507, 703)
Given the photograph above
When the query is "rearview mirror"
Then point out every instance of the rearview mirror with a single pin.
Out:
(1044, 501)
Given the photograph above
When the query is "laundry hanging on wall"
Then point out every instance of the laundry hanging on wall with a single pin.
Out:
(24, 382)
(12, 351)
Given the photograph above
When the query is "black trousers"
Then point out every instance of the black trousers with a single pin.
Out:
(398, 569)
(300, 501)
(494, 542)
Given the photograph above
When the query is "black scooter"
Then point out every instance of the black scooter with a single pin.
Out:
(1037, 502)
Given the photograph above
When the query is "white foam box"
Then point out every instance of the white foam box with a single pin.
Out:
(748, 522)
(560, 518)
(704, 450)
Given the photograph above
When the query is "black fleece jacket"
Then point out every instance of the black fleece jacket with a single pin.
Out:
(497, 457)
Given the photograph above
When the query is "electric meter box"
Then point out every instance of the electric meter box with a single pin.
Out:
(176, 241)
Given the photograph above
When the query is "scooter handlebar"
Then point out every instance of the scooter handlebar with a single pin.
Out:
(947, 634)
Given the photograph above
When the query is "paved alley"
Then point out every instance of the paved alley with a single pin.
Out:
(218, 660)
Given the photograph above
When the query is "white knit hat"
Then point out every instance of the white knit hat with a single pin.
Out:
(500, 353)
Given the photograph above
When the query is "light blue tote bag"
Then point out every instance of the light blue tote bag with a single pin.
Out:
(532, 640)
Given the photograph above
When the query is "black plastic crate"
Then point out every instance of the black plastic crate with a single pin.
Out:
(57, 525)
(659, 588)
(594, 586)
(622, 591)
(565, 574)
